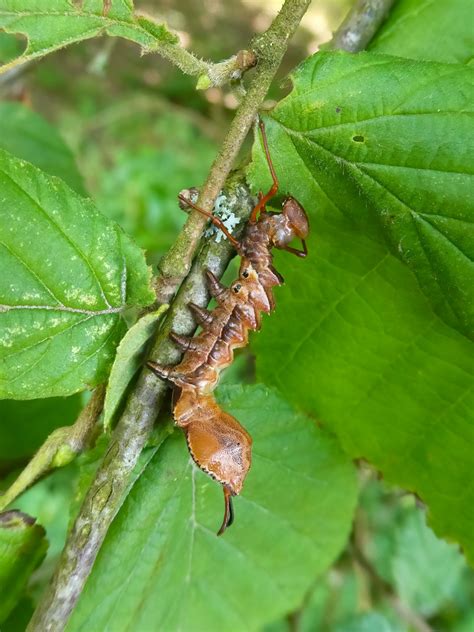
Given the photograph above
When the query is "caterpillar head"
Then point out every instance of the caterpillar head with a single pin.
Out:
(291, 223)
(297, 218)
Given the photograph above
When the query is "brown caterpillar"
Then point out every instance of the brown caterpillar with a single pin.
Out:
(217, 442)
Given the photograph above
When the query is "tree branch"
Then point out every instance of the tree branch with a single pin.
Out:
(60, 448)
(208, 73)
(360, 25)
(110, 486)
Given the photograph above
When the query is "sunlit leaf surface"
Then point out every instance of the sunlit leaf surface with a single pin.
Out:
(67, 275)
(354, 340)
(22, 547)
(162, 551)
(53, 24)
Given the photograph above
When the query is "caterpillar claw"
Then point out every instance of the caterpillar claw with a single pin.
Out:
(161, 371)
(185, 343)
(216, 288)
(228, 512)
(201, 315)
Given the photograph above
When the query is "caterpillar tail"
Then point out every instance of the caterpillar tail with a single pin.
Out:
(216, 441)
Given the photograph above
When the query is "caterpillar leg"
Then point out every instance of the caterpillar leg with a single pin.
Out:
(201, 315)
(299, 253)
(263, 199)
(185, 343)
(165, 372)
(217, 290)
(215, 220)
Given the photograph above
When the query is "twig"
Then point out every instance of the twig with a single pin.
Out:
(408, 615)
(154, 37)
(269, 49)
(60, 448)
(208, 73)
(360, 25)
(109, 488)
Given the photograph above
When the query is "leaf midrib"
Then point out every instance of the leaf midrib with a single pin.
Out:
(64, 308)
(50, 337)
(378, 117)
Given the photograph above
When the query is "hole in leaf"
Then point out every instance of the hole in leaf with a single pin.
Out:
(358, 139)
(338, 109)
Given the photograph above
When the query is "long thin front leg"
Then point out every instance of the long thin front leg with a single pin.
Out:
(298, 253)
(274, 188)
(215, 220)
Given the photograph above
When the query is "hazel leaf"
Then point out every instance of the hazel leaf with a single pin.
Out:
(68, 273)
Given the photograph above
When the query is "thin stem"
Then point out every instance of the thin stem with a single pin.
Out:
(165, 44)
(412, 618)
(208, 73)
(360, 25)
(60, 448)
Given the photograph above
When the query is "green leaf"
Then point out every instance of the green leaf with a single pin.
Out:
(383, 508)
(435, 31)
(27, 135)
(370, 622)
(53, 24)
(22, 547)
(25, 425)
(10, 47)
(49, 500)
(67, 275)
(387, 140)
(162, 566)
(18, 619)
(355, 342)
(89, 461)
(128, 360)
(466, 625)
(429, 576)
(426, 571)
(364, 352)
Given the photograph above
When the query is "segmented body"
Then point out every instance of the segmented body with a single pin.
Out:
(219, 445)
(217, 442)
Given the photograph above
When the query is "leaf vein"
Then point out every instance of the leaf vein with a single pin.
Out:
(32, 272)
(50, 337)
(62, 233)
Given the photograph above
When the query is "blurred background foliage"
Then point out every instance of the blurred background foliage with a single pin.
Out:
(140, 132)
